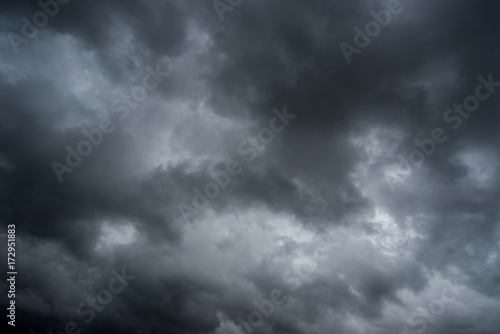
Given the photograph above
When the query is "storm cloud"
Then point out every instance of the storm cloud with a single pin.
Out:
(229, 167)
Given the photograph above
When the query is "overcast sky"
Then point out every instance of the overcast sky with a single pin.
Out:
(254, 166)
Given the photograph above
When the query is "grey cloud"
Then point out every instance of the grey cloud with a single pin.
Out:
(324, 176)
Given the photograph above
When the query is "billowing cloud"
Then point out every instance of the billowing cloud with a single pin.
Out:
(233, 167)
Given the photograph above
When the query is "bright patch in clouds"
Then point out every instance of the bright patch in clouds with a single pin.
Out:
(113, 235)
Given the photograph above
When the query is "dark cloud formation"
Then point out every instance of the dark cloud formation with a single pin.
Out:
(406, 245)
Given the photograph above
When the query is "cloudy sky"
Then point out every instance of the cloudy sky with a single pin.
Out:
(253, 166)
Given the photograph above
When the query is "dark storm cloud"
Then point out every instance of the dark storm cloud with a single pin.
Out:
(326, 173)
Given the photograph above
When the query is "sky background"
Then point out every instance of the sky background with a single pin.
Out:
(393, 241)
